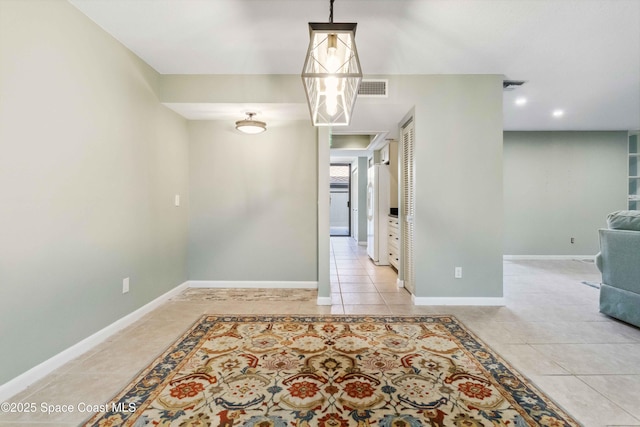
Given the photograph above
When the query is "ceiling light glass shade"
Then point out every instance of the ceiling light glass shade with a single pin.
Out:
(251, 126)
(331, 73)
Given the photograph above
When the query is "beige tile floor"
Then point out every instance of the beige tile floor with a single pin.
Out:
(550, 330)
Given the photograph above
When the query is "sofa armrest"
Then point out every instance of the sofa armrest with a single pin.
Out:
(620, 263)
(599, 261)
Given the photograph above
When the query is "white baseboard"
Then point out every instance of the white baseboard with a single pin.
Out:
(324, 301)
(484, 301)
(21, 382)
(251, 284)
(547, 257)
(362, 243)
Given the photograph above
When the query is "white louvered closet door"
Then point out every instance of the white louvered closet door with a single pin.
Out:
(408, 204)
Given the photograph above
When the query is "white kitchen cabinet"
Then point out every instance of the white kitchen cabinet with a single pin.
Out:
(393, 245)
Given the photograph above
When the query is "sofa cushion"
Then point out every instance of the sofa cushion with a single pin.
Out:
(624, 220)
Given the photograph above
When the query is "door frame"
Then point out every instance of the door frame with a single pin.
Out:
(353, 197)
(348, 199)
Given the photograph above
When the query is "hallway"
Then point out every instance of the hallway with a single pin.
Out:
(361, 287)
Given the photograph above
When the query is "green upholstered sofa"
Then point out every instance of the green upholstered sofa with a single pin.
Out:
(619, 262)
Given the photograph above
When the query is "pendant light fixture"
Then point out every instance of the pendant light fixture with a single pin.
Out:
(251, 126)
(331, 72)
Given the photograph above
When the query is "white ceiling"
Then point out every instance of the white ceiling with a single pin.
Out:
(582, 56)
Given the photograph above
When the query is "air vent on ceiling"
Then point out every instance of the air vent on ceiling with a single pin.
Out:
(512, 84)
(373, 88)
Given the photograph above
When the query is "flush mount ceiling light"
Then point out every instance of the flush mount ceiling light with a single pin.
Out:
(251, 126)
(331, 72)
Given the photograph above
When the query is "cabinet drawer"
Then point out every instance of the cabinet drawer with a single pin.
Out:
(394, 261)
(393, 241)
(394, 244)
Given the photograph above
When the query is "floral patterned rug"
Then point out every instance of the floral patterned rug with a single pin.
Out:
(235, 294)
(334, 371)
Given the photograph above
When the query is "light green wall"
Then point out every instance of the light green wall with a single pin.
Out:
(459, 164)
(253, 88)
(253, 211)
(353, 142)
(89, 166)
(559, 185)
(394, 167)
(458, 189)
(323, 159)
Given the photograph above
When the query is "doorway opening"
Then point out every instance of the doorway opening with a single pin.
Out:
(340, 190)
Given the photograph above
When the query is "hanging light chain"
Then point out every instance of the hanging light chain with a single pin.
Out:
(331, 11)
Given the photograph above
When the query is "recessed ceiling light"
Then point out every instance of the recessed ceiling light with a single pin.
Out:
(558, 113)
(521, 101)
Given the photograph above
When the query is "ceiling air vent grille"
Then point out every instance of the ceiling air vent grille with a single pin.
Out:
(373, 88)
(512, 84)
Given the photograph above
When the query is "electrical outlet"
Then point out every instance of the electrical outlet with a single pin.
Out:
(458, 273)
(573, 240)
(125, 285)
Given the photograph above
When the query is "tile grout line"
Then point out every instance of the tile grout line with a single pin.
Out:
(605, 397)
(363, 263)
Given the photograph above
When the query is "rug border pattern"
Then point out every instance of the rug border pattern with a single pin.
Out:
(150, 381)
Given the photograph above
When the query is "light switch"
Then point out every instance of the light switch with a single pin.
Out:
(176, 200)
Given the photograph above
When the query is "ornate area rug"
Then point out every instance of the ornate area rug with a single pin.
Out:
(234, 294)
(335, 371)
